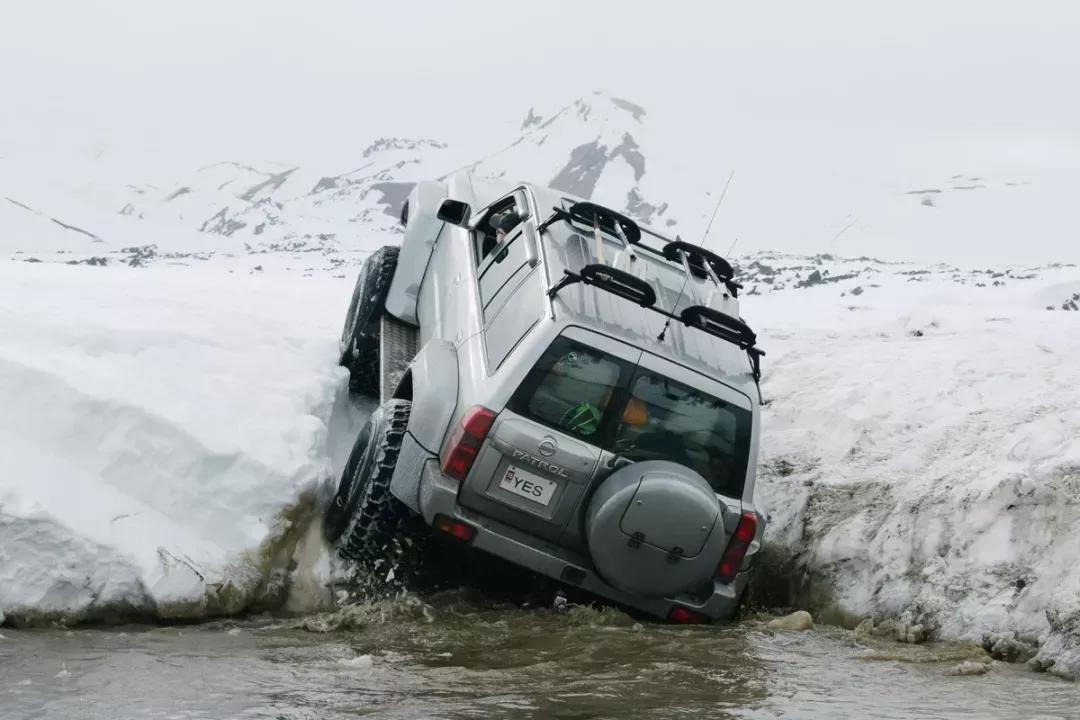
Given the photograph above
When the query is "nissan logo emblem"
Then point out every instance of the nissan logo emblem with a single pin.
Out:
(548, 446)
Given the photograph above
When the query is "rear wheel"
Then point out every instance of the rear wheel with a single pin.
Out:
(360, 335)
(364, 518)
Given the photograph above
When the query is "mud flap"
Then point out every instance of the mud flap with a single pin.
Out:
(405, 484)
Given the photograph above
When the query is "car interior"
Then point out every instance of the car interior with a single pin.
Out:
(505, 216)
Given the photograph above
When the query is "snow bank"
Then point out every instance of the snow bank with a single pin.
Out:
(921, 457)
(165, 430)
(163, 435)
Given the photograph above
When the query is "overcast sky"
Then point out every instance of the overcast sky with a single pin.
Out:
(813, 102)
(306, 80)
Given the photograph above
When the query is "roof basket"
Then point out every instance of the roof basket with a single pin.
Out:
(612, 280)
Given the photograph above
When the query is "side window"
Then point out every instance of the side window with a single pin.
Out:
(499, 224)
(500, 252)
(501, 265)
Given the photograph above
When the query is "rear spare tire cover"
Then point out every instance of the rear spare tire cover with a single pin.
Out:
(655, 529)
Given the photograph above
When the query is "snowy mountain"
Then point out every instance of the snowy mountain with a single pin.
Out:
(597, 147)
(600, 147)
(594, 147)
(276, 206)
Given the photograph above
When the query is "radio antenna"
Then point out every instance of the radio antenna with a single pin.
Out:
(708, 227)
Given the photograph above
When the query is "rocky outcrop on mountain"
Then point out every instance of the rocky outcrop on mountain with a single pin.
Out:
(270, 205)
(595, 147)
(600, 147)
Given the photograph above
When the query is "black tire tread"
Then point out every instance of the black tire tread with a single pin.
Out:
(365, 311)
(378, 514)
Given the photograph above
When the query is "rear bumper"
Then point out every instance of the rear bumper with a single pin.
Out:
(438, 496)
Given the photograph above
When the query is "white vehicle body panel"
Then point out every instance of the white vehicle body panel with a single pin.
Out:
(482, 324)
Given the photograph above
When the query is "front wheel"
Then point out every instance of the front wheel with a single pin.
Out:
(364, 517)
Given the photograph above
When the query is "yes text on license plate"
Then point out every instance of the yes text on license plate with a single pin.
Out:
(527, 485)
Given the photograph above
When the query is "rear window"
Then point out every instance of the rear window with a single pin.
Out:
(666, 420)
(637, 413)
(570, 387)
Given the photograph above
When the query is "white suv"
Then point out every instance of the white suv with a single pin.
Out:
(562, 388)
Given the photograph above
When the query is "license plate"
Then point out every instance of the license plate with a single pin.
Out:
(527, 485)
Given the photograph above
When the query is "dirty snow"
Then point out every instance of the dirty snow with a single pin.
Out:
(921, 452)
(162, 432)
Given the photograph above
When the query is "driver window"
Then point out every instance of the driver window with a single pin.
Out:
(498, 225)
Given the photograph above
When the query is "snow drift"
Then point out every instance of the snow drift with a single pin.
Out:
(166, 432)
(163, 435)
(921, 453)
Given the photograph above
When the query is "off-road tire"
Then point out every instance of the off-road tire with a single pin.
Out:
(364, 517)
(360, 336)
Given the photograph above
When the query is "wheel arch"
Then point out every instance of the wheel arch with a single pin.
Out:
(431, 383)
(404, 389)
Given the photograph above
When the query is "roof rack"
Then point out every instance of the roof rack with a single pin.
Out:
(632, 288)
(591, 214)
(719, 324)
(615, 281)
(703, 264)
(694, 260)
(699, 262)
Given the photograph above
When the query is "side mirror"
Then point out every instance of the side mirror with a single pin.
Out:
(455, 212)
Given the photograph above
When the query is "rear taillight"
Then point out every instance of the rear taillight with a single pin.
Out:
(736, 550)
(465, 442)
(462, 531)
(683, 616)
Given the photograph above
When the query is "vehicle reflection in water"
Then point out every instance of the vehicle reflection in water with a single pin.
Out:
(454, 655)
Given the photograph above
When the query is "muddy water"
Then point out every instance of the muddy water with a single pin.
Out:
(455, 656)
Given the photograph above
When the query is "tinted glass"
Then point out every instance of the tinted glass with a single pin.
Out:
(636, 413)
(666, 420)
(506, 262)
(499, 222)
(570, 389)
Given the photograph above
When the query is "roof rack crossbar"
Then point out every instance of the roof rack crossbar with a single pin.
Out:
(719, 324)
(638, 291)
(591, 214)
(612, 280)
(703, 264)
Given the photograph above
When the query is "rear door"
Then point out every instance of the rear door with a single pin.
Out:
(545, 449)
(676, 414)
